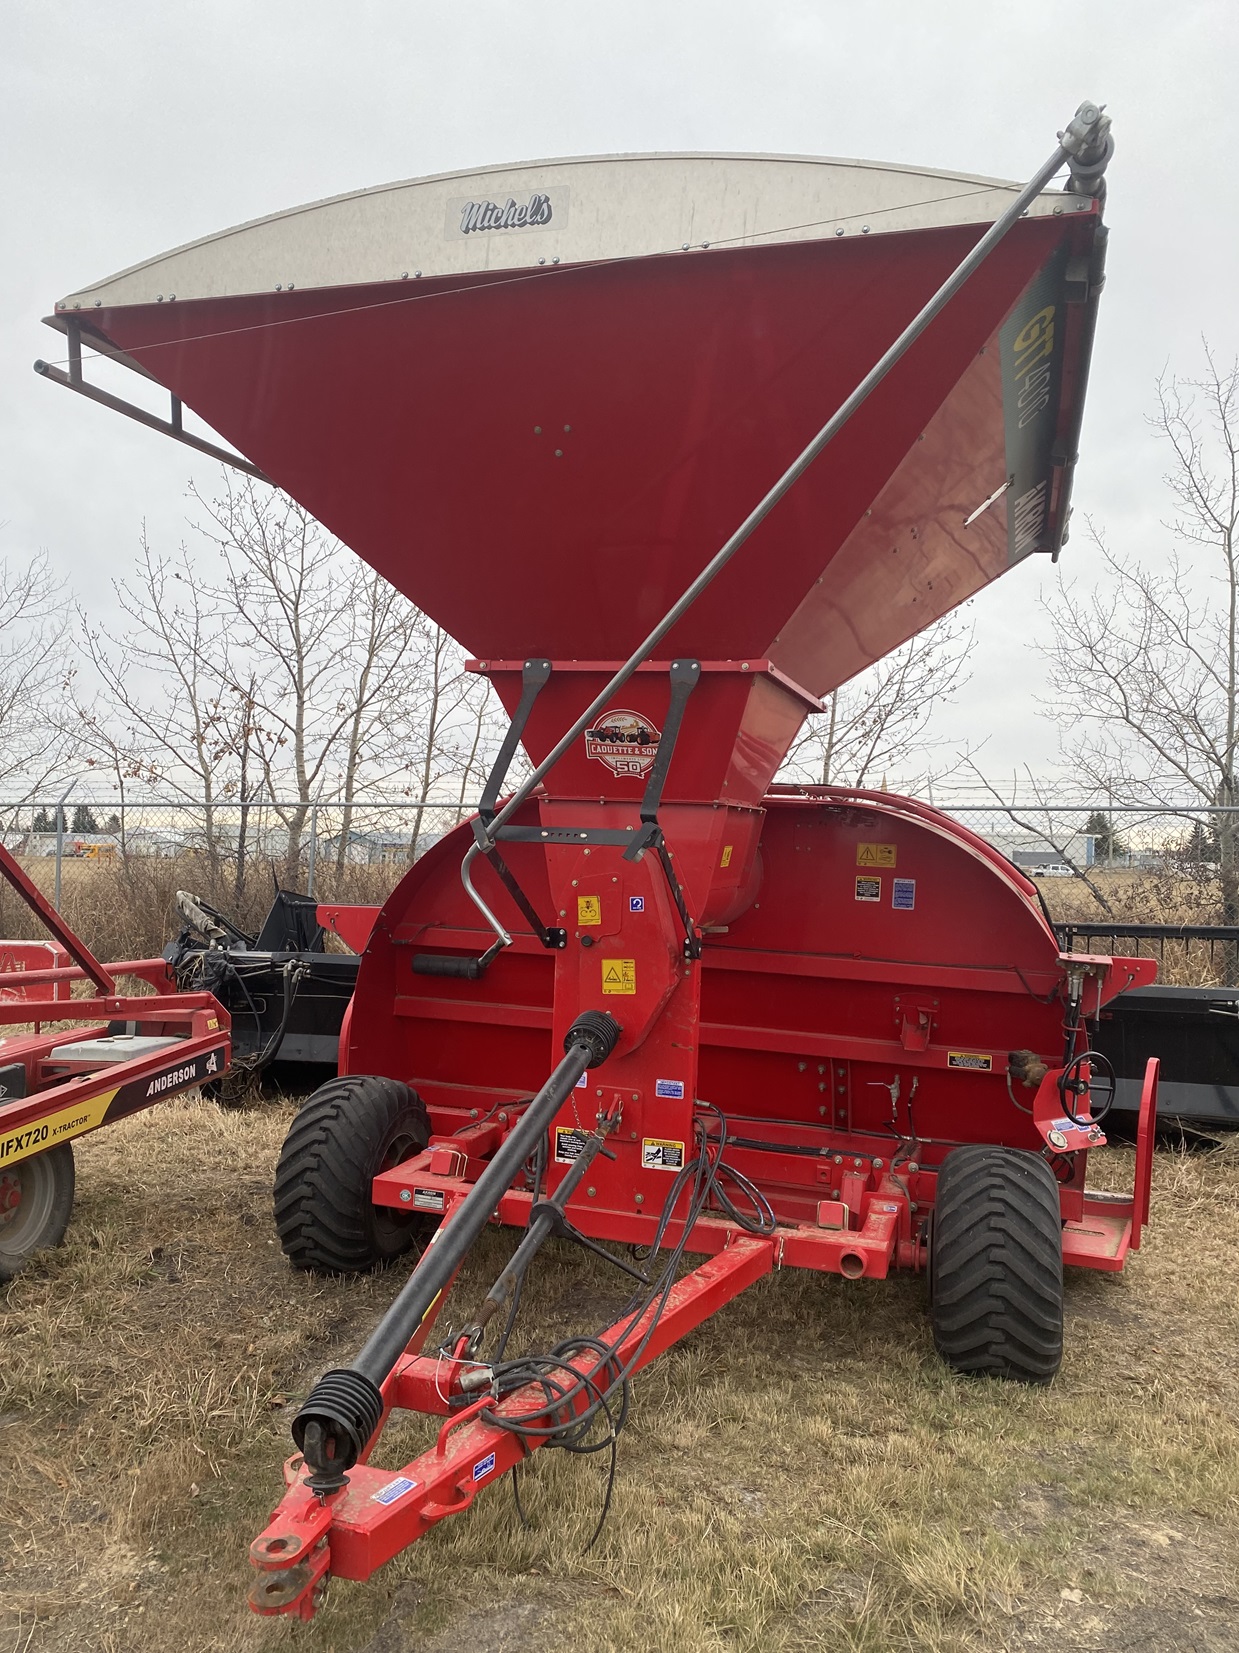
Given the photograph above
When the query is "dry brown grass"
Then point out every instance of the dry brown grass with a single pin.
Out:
(799, 1474)
(127, 909)
(1137, 897)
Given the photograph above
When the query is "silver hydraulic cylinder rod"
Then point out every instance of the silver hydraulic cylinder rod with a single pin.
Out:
(1085, 147)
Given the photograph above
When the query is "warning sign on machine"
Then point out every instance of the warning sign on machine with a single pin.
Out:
(875, 855)
(619, 975)
(568, 1144)
(978, 1061)
(657, 1154)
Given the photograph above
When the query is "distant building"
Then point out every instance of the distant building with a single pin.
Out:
(376, 849)
(1028, 849)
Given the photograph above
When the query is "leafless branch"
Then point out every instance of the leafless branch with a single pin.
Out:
(877, 722)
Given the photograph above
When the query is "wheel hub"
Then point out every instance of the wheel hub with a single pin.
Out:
(10, 1196)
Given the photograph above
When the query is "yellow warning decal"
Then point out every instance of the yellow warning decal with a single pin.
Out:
(973, 1059)
(570, 1141)
(619, 975)
(53, 1128)
(876, 855)
(869, 889)
(589, 909)
(657, 1154)
(727, 849)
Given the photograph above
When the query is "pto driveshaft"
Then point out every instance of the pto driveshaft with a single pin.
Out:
(342, 1411)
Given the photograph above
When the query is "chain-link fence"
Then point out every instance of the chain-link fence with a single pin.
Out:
(114, 865)
(1053, 838)
(301, 841)
(1158, 880)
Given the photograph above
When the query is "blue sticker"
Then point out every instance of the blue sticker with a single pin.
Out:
(484, 1466)
(673, 1088)
(393, 1490)
(636, 903)
(903, 894)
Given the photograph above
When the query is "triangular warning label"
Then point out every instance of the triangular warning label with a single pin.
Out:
(619, 975)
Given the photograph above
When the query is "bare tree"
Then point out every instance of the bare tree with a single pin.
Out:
(324, 642)
(159, 709)
(458, 726)
(877, 722)
(271, 665)
(360, 693)
(35, 744)
(1144, 669)
(1037, 817)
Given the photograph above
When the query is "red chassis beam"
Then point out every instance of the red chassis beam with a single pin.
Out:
(869, 1221)
(61, 1104)
(351, 1533)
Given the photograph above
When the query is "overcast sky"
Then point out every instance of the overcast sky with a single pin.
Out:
(129, 127)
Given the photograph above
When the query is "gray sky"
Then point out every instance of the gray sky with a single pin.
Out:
(131, 127)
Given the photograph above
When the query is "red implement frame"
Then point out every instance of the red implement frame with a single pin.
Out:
(381, 1512)
(66, 1096)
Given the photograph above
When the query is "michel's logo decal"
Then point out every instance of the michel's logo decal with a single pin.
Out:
(543, 209)
(490, 215)
(625, 741)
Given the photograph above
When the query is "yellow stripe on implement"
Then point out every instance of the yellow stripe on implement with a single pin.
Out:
(43, 1133)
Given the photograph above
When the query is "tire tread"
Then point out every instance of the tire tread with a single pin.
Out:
(997, 1267)
(324, 1215)
(56, 1165)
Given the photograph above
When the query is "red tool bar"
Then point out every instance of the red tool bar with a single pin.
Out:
(74, 1104)
(155, 971)
(130, 1007)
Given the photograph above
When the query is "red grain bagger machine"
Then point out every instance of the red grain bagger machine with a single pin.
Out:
(650, 999)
